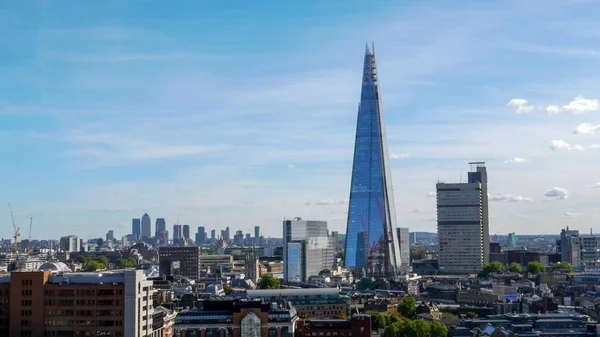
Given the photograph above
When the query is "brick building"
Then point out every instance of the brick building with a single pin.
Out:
(43, 304)
(357, 326)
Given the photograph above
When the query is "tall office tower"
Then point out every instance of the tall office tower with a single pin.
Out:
(213, 235)
(569, 246)
(136, 228)
(146, 226)
(177, 234)
(225, 234)
(404, 248)
(307, 250)
(70, 243)
(201, 235)
(335, 236)
(186, 232)
(256, 232)
(371, 213)
(512, 240)
(110, 236)
(463, 236)
(161, 224)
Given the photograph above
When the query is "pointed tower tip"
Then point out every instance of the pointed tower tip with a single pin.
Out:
(367, 51)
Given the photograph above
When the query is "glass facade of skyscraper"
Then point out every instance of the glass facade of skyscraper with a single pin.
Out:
(371, 227)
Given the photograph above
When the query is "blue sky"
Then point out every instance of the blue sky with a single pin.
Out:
(228, 113)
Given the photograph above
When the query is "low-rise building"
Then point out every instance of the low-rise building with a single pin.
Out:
(356, 326)
(235, 318)
(309, 302)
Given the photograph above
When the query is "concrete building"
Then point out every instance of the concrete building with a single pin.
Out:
(569, 247)
(463, 226)
(81, 304)
(136, 228)
(70, 243)
(161, 225)
(308, 249)
(404, 247)
(183, 261)
(177, 235)
(186, 232)
(356, 326)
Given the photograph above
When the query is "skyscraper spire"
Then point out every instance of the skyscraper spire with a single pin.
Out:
(371, 237)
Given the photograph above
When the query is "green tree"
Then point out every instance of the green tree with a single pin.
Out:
(515, 268)
(417, 253)
(437, 329)
(491, 267)
(534, 267)
(3, 272)
(268, 282)
(408, 307)
(409, 329)
(471, 314)
(562, 266)
(93, 265)
(422, 328)
(227, 289)
(126, 263)
(102, 259)
(393, 330)
(377, 320)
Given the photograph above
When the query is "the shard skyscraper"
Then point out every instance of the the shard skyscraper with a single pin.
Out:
(371, 238)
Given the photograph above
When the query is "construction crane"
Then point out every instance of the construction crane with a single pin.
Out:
(29, 238)
(16, 229)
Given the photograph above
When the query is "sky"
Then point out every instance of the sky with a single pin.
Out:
(222, 113)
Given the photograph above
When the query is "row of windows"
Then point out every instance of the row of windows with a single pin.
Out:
(101, 323)
(84, 313)
(82, 292)
(64, 303)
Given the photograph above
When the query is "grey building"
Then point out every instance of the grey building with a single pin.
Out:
(184, 261)
(136, 228)
(256, 232)
(308, 249)
(70, 243)
(186, 232)
(161, 225)
(404, 247)
(177, 234)
(146, 226)
(462, 222)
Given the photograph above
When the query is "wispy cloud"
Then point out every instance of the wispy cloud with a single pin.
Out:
(399, 156)
(516, 160)
(431, 194)
(571, 214)
(556, 145)
(596, 185)
(586, 128)
(326, 202)
(508, 198)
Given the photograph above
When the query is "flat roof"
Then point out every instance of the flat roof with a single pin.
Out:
(291, 292)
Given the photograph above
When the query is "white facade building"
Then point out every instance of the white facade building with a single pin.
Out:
(70, 243)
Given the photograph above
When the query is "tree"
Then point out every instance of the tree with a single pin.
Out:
(268, 282)
(417, 253)
(377, 320)
(227, 289)
(409, 329)
(565, 267)
(102, 259)
(3, 272)
(471, 314)
(93, 265)
(422, 328)
(408, 307)
(515, 268)
(393, 330)
(126, 263)
(491, 267)
(437, 329)
(534, 267)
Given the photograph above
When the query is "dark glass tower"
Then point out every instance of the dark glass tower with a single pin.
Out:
(371, 238)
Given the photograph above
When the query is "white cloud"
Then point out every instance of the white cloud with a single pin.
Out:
(579, 105)
(571, 214)
(520, 106)
(594, 146)
(557, 192)
(596, 185)
(508, 198)
(516, 160)
(399, 155)
(291, 166)
(431, 194)
(552, 109)
(586, 128)
(556, 145)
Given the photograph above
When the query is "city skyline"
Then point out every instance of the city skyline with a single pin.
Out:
(170, 114)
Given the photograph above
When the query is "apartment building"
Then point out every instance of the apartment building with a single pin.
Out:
(49, 304)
